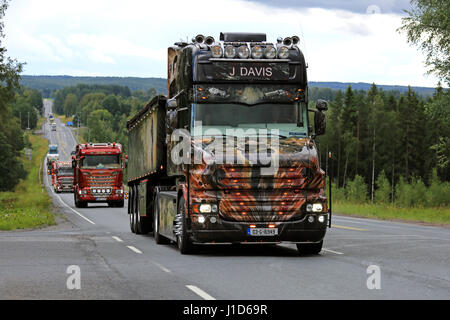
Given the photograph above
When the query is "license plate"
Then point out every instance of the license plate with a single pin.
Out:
(100, 199)
(262, 231)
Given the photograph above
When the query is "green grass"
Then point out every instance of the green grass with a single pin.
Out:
(440, 215)
(28, 206)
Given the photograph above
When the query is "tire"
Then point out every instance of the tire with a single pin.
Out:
(159, 239)
(184, 244)
(131, 210)
(143, 224)
(310, 248)
(75, 200)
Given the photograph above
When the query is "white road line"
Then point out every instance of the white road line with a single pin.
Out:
(332, 251)
(161, 267)
(134, 249)
(59, 198)
(200, 292)
(117, 239)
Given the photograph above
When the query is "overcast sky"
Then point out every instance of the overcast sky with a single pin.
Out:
(343, 40)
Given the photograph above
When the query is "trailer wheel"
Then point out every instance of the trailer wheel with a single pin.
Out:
(184, 244)
(131, 209)
(159, 239)
(142, 224)
(310, 248)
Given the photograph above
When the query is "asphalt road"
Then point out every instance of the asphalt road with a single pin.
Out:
(413, 260)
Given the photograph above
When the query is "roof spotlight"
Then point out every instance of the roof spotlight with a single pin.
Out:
(270, 52)
(257, 52)
(243, 52)
(230, 52)
(209, 40)
(200, 38)
(287, 41)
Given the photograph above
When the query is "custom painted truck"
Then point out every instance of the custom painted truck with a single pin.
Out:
(98, 174)
(229, 155)
(62, 176)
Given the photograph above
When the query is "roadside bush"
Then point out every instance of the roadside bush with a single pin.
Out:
(403, 193)
(356, 190)
(419, 192)
(338, 193)
(383, 192)
(438, 194)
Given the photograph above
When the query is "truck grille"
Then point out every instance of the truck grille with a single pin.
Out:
(101, 181)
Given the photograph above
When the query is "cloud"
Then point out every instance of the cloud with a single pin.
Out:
(356, 6)
(117, 38)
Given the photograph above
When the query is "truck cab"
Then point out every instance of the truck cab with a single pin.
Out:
(63, 176)
(98, 174)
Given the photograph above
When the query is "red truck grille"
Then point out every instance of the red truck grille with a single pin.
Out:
(101, 181)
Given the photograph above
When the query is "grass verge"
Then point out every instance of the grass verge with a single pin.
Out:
(28, 206)
(440, 215)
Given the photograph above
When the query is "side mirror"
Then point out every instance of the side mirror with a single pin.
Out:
(322, 105)
(126, 161)
(172, 104)
(319, 123)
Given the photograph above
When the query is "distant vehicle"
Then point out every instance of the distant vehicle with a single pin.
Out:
(62, 176)
(50, 116)
(69, 124)
(52, 156)
(53, 125)
(98, 174)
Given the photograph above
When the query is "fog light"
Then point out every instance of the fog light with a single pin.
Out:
(205, 208)
(201, 219)
(310, 219)
(321, 219)
(309, 207)
(213, 219)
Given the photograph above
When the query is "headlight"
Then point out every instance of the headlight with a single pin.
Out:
(270, 52)
(257, 52)
(103, 190)
(120, 191)
(243, 52)
(317, 207)
(283, 52)
(214, 208)
(94, 190)
(230, 52)
(216, 51)
(205, 208)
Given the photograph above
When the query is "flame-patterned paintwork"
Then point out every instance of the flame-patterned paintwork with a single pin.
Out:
(244, 194)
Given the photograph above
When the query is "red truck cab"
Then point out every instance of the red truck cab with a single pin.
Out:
(98, 174)
(62, 176)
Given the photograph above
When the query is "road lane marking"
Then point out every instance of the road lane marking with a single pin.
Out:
(348, 228)
(200, 292)
(134, 249)
(59, 198)
(161, 267)
(117, 239)
(332, 251)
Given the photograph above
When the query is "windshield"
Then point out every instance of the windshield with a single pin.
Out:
(100, 161)
(53, 150)
(65, 171)
(287, 118)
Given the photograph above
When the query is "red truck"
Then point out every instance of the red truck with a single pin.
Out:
(62, 176)
(98, 174)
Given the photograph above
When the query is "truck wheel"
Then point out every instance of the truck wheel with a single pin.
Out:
(131, 210)
(143, 224)
(184, 244)
(310, 248)
(75, 200)
(159, 239)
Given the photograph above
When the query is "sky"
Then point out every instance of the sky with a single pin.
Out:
(343, 40)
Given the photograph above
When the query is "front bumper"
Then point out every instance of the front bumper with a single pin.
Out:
(100, 199)
(300, 231)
